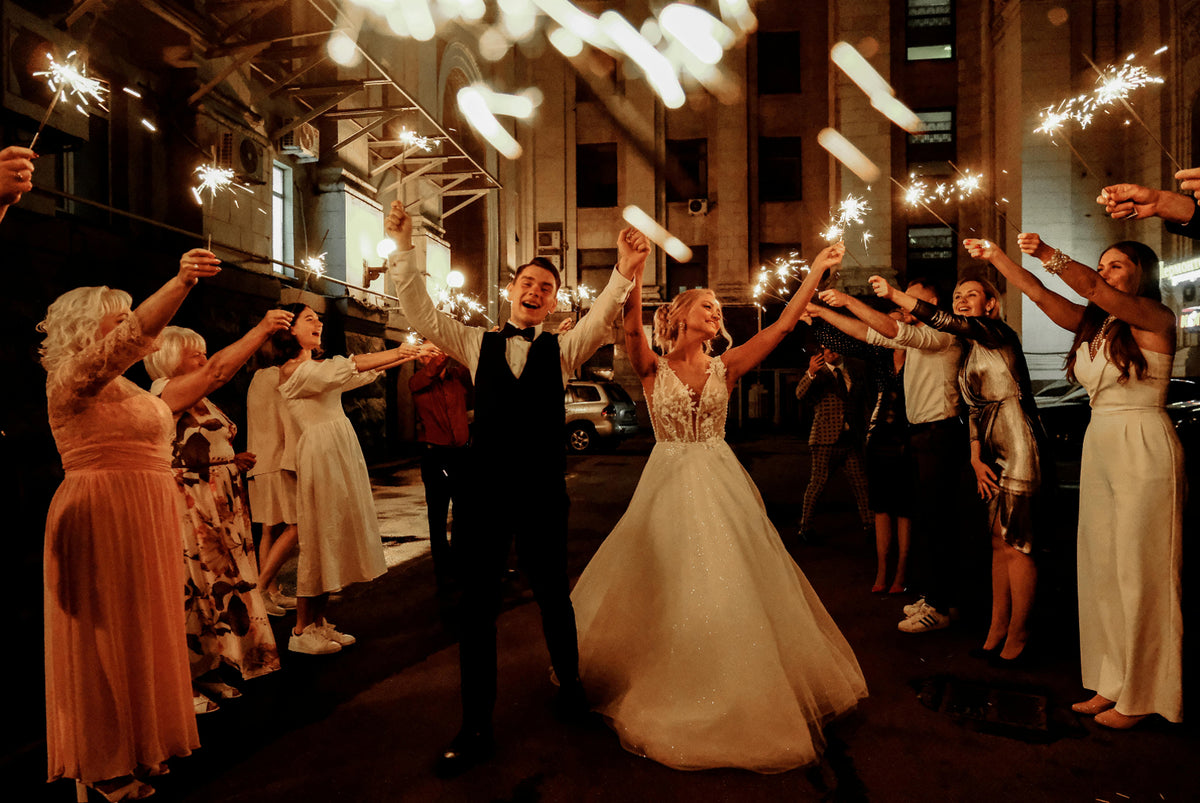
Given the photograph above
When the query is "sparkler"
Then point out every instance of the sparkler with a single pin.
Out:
(1117, 83)
(66, 79)
(415, 140)
(213, 179)
(315, 265)
(914, 195)
(575, 296)
(459, 305)
(777, 276)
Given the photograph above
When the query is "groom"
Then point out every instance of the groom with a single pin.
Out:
(515, 484)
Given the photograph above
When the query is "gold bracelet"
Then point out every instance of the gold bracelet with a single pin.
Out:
(1057, 262)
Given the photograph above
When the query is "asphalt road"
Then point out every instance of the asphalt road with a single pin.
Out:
(366, 724)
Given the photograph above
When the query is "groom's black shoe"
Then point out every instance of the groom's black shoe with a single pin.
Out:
(468, 749)
(571, 704)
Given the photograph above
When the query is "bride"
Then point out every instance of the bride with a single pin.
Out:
(700, 640)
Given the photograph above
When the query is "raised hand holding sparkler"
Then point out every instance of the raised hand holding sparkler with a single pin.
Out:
(1189, 179)
(1133, 201)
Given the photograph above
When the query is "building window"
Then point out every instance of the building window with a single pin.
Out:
(596, 175)
(282, 218)
(778, 62)
(930, 254)
(687, 275)
(692, 157)
(779, 169)
(935, 144)
(929, 28)
(595, 266)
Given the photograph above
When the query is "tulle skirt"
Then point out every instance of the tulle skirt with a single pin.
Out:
(700, 640)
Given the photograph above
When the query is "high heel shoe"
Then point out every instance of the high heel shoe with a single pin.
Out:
(1020, 661)
(1093, 706)
(898, 588)
(986, 653)
(878, 588)
(1112, 718)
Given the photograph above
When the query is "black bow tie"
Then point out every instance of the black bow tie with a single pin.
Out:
(511, 331)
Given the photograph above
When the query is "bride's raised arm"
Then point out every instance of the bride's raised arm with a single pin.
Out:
(640, 354)
(746, 357)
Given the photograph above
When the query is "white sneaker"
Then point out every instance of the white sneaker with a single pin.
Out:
(911, 610)
(927, 619)
(283, 600)
(312, 642)
(272, 608)
(330, 632)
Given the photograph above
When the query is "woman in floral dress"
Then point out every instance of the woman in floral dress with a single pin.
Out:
(226, 621)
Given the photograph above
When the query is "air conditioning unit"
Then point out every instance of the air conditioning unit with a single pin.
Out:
(549, 240)
(697, 206)
(302, 142)
(243, 155)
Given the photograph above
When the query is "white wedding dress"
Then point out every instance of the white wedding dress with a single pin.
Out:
(700, 640)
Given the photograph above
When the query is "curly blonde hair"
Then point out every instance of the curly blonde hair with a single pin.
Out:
(173, 341)
(669, 320)
(73, 320)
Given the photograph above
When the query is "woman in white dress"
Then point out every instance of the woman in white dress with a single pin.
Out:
(1131, 476)
(271, 436)
(337, 528)
(700, 640)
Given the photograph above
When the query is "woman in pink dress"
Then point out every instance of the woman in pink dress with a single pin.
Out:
(118, 689)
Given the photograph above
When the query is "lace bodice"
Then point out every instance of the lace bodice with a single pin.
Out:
(101, 420)
(679, 417)
(1107, 393)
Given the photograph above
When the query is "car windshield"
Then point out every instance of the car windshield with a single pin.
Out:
(617, 393)
(1181, 390)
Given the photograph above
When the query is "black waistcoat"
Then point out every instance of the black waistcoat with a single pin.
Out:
(520, 420)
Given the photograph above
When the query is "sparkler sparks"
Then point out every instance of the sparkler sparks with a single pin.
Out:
(1115, 83)
(774, 280)
(575, 296)
(213, 179)
(315, 265)
(849, 212)
(67, 79)
(72, 81)
(415, 140)
(458, 304)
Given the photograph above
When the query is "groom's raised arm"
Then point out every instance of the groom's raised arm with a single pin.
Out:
(594, 328)
(460, 341)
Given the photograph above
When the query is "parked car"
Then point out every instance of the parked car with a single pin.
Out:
(1065, 415)
(598, 412)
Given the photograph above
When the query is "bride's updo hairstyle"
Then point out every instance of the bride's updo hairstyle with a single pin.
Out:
(669, 320)
(73, 320)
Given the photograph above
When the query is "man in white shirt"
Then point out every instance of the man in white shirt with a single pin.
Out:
(514, 485)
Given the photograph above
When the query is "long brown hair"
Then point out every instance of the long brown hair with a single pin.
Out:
(1123, 350)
